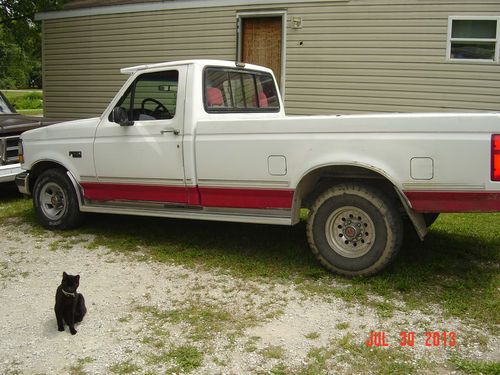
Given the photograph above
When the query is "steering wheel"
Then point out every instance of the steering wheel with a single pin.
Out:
(159, 107)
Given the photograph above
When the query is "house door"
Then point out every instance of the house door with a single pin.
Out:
(261, 42)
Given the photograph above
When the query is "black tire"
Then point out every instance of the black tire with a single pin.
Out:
(354, 230)
(55, 200)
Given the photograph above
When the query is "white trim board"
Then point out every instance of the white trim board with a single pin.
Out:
(165, 5)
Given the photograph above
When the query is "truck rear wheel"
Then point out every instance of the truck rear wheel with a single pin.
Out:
(55, 200)
(354, 230)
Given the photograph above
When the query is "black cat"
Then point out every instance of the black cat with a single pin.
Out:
(70, 305)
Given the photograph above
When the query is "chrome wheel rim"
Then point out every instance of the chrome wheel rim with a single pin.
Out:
(350, 232)
(53, 201)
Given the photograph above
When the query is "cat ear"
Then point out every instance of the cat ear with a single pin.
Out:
(65, 275)
(77, 277)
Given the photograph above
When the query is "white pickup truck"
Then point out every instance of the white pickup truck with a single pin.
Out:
(207, 139)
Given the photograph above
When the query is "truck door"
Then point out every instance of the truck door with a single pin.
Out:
(143, 161)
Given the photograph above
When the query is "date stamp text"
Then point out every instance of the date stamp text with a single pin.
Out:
(430, 339)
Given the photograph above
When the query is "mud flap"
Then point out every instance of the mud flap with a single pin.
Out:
(416, 218)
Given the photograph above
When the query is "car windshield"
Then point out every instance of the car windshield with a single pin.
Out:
(4, 107)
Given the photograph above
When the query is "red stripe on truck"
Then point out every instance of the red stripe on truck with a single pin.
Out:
(204, 196)
(246, 198)
(442, 201)
(133, 192)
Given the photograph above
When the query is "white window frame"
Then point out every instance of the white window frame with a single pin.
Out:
(473, 18)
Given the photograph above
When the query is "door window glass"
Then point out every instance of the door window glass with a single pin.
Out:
(152, 96)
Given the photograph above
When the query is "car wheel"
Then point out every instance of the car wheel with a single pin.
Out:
(55, 200)
(354, 230)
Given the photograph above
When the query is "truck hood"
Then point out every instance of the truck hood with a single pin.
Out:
(64, 130)
(14, 124)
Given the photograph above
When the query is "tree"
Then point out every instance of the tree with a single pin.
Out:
(14, 66)
(20, 40)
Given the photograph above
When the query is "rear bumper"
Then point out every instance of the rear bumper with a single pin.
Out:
(8, 172)
(22, 182)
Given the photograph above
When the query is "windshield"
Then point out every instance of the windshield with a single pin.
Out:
(4, 106)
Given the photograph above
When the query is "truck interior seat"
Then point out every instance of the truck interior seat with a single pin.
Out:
(263, 102)
(214, 97)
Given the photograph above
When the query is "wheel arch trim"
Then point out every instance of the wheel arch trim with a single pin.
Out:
(361, 166)
(304, 187)
(69, 173)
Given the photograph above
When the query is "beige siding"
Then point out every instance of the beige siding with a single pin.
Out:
(350, 57)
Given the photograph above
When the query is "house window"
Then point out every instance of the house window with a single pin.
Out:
(473, 39)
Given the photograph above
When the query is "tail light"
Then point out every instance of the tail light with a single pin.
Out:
(495, 157)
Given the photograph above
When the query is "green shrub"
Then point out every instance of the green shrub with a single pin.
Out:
(30, 100)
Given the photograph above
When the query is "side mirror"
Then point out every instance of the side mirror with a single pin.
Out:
(119, 115)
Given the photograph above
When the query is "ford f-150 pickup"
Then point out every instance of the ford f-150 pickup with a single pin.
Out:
(207, 139)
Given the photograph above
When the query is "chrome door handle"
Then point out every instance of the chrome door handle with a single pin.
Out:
(170, 130)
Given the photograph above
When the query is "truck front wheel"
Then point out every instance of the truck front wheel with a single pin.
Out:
(55, 201)
(354, 230)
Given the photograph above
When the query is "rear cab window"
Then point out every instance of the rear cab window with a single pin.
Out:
(229, 90)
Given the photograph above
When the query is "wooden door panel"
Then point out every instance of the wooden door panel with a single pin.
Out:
(261, 42)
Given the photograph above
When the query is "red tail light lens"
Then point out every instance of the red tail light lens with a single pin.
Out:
(495, 157)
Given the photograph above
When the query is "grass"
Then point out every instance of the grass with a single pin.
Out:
(19, 93)
(186, 358)
(22, 100)
(361, 358)
(79, 367)
(456, 267)
(14, 206)
(273, 352)
(202, 320)
(124, 367)
(477, 367)
(334, 356)
(31, 112)
(312, 335)
(343, 325)
(26, 102)
(251, 344)
(12, 368)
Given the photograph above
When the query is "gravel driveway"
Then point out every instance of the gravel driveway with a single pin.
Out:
(150, 317)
